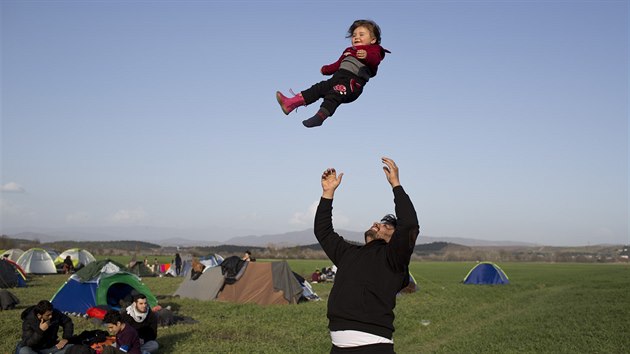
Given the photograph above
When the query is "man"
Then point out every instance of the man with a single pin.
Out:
(156, 266)
(363, 297)
(178, 264)
(40, 325)
(139, 316)
(127, 340)
(247, 256)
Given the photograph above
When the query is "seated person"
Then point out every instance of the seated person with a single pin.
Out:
(40, 325)
(197, 269)
(68, 266)
(127, 339)
(139, 316)
(316, 276)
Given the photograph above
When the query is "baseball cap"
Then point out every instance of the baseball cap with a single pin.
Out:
(389, 219)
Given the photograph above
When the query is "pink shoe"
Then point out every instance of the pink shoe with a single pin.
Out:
(289, 104)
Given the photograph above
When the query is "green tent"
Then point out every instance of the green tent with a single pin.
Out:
(101, 283)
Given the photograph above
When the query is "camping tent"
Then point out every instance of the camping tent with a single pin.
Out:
(206, 287)
(11, 275)
(308, 294)
(261, 283)
(211, 260)
(37, 261)
(101, 283)
(142, 270)
(264, 284)
(486, 273)
(19, 269)
(53, 254)
(80, 257)
(12, 254)
(186, 268)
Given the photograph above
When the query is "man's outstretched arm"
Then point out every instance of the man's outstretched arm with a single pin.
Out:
(333, 245)
(403, 241)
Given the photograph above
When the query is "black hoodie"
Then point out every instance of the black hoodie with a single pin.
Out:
(368, 277)
(35, 338)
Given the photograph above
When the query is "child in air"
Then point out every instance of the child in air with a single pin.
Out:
(350, 73)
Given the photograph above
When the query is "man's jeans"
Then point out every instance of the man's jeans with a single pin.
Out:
(28, 350)
(150, 347)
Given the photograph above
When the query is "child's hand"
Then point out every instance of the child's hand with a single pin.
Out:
(361, 54)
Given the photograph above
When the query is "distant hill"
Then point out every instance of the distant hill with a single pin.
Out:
(306, 237)
(36, 236)
(134, 246)
(168, 237)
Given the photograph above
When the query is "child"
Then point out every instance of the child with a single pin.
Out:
(351, 72)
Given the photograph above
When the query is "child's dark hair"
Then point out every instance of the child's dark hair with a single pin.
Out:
(370, 25)
(113, 317)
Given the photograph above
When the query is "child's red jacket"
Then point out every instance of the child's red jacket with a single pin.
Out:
(375, 54)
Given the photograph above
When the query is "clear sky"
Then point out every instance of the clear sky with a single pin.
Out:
(508, 119)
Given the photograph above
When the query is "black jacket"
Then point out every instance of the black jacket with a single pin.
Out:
(35, 338)
(368, 277)
(147, 329)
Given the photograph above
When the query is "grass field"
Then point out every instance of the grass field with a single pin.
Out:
(547, 308)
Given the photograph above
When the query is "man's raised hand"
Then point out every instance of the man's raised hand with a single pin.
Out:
(330, 182)
(391, 171)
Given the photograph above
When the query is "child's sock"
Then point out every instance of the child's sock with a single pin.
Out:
(316, 120)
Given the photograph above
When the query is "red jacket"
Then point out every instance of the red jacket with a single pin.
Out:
(375, 54)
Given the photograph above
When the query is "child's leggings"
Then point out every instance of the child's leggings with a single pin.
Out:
(343, 87)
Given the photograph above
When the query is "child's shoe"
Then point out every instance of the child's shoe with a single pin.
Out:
(316, 120)
(289, 104)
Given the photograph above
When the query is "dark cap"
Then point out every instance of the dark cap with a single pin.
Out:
(389, 219)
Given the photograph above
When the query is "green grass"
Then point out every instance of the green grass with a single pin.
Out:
(547, 308)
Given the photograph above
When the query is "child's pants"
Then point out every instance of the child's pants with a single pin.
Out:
(343, 87)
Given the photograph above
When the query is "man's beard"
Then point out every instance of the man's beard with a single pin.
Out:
(370, 235)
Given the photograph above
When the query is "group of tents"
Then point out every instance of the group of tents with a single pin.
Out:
(109, 284)
(16, 264)
(40, 261)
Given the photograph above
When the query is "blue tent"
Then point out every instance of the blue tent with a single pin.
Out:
(101, 283)
(486, 273)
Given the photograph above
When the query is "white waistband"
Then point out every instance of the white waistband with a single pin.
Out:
(350, 338)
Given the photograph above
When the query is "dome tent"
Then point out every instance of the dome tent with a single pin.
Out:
(80, 257)
(12, 254)
(141, 270)
(37, 261)
(486, 273)
(11, 275)
(101, 283)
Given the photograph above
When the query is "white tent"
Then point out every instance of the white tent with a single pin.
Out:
(37, 261)
(80, 257)
(12, 254)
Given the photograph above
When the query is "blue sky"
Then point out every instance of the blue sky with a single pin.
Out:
(508, 119)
